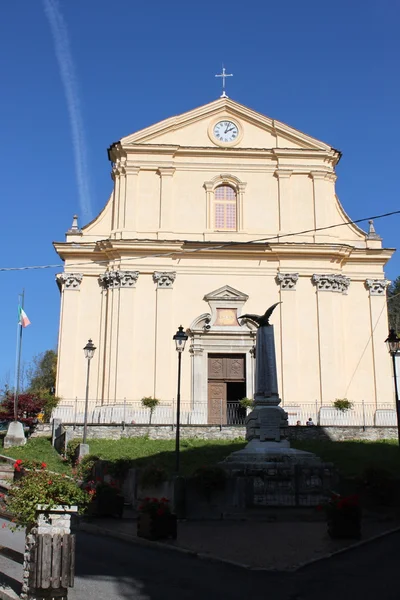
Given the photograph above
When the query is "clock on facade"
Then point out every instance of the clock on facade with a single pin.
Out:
(225, 132)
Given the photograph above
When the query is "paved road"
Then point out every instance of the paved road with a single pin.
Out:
(111, 569)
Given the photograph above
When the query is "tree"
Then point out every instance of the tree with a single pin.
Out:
(394, 304)
(150, 403)
(42, 373)
(42, 380)
(29, 406)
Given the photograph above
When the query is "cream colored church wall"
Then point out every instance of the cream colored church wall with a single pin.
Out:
(80, 320)
(148, 209)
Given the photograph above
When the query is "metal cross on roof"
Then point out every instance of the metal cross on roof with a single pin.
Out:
(224, 76)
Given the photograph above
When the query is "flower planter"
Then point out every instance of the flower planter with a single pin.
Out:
(156, 527)
(345, 523)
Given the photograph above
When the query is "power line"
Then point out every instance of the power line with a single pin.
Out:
(213, 247)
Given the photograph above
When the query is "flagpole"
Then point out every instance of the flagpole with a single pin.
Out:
(19, 353)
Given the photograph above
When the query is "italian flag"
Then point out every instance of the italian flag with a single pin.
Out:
(23, 318)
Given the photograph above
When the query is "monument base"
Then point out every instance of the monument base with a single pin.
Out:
(273, 474)
(15, 435)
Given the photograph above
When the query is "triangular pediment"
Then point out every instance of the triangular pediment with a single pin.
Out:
(192, 129)
(226, 293)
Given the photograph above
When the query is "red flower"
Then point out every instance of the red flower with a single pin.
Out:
(43, 465)
(49, 482)
(164, 500)
(160, 512)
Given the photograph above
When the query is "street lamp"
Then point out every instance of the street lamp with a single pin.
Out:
(393, 344)
(89, 353)
(180, 340)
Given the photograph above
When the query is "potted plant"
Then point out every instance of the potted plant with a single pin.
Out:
(343, 516)
(150, 403)
(155, 520)
(247, 404)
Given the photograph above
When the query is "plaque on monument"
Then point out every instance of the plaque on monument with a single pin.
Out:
(270, 422)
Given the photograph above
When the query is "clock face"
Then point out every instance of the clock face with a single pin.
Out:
(226, 131)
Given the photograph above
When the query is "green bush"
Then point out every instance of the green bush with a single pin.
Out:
(342, 404)
(85, 467)
(71, 452)
(246, 403)
(42, 487)
(150, 403)
(118, 468)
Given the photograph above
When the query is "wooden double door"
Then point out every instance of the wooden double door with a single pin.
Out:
(226, 386)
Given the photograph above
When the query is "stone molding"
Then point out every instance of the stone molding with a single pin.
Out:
(71, 281)
(331, 283)
(287, 281)
(164, 279)
(377, 287)
(118, 279)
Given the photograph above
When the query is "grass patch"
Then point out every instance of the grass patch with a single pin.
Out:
(351, 458)
(143, 451)
(39, 449)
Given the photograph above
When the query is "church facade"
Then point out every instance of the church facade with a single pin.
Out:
(215, 213)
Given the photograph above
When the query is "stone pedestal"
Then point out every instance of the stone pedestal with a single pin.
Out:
(55, 521)
(15, 435)
(274, 473)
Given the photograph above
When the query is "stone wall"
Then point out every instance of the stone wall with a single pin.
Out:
(227, 432)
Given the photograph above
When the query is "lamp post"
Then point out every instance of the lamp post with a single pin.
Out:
(180, 340)
(89, 353)
(393, 344)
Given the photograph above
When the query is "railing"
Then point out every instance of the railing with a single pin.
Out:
(132, 412)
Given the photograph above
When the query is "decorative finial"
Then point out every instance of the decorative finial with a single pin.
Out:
(74, 227)
(372, 235)
(224, 76)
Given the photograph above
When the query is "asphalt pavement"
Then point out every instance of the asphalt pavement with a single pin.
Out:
(111, 569)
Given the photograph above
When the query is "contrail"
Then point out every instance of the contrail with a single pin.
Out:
(62, 48)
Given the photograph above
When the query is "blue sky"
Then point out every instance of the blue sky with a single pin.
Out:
(328, 69)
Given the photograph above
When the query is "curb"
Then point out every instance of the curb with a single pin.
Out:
(378, 536)
(126, 537)
(6, 593)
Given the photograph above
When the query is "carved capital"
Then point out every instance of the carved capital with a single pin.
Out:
(71, 281)
(118, 279)
(331, 283)
(164, 279)
(377, 287)
(287, 281)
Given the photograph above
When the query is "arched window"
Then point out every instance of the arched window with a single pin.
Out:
(225, 208)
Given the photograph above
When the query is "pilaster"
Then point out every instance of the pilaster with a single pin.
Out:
(118, 311)
(164, 330)
(166, 198)
(288, 324)
(286, 213)
(69, 285)
(132, 198)
(384, 391)
(329, 292)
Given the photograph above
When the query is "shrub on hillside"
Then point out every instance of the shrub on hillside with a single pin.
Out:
(29, 406)
(42, 487)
